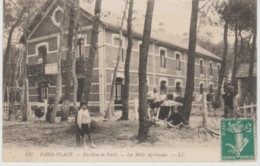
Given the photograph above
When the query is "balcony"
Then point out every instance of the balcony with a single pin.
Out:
(35, 70)
(51, 69)
(81, 65)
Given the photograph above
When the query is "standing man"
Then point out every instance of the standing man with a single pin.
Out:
(228, 101)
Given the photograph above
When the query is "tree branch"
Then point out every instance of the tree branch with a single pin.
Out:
(204, 5)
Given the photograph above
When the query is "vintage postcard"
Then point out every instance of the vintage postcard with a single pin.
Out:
(129, 81)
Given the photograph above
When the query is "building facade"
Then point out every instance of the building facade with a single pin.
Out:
(166, 67)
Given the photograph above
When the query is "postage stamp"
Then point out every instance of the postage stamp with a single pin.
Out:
(237, 139)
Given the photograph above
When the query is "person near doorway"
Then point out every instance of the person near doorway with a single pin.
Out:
(83, 121)
(154, 102)
(170, 95)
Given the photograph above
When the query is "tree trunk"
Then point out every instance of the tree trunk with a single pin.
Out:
(235, 55)
(92, 51)
(125, 96)
(223, 63)
(75, 81)
(144, 122)
(68, 65)
(6, 62)
(117, 63)
(26, 107)
(58, 82)
(191, 64)
(251, 65)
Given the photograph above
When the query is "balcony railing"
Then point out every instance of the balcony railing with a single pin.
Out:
(39, 69)
(81, 65)
(36, 69)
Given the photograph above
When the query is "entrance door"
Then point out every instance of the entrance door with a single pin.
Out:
(118, 93)
(80, 88)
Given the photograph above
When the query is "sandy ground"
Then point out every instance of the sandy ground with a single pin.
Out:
(110, 133)
(119, 136)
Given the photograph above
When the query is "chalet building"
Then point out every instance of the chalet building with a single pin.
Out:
(166, 68)
(242, 76)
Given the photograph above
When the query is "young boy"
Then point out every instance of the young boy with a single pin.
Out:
(83, 122)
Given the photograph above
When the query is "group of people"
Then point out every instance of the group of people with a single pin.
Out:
(156, 100)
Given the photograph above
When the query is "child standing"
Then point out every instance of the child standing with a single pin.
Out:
(83, 122)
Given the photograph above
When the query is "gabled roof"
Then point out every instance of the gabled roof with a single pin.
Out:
(243, 70)
(161, 36)
(46, 7)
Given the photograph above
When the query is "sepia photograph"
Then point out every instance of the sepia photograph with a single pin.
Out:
(129, 81)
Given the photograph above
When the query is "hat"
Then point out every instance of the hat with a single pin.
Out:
(83, 102)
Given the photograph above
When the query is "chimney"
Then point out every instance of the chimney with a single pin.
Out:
(161, 26)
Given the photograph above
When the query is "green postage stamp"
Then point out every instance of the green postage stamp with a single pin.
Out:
(237, 139)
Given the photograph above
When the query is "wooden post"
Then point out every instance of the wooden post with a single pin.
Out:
(244, 110)
(136, 108)
(45, 109)
(204, 111)
(252, 110)
(30, 110)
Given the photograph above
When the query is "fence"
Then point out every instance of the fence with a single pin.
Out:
(249, 111)
(246, 111)
(133, 108)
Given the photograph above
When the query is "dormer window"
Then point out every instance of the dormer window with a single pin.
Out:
(57, 16)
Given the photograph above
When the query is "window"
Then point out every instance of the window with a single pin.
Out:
(81, 47)
(201, 88)
(57, 16)
(218, 68)
(163, 87)
(162, 59)
(42, 51)
(178, 62)
(201, 67)
(118, 89)
(211, 68)
(43, 91)
(123, 56)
